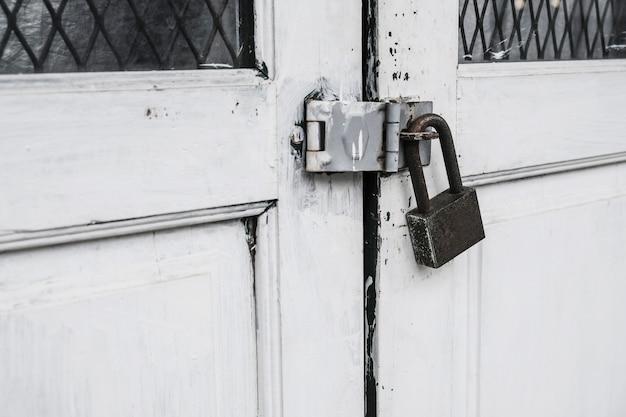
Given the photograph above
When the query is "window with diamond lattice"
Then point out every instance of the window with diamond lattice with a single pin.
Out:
(516, 30)
(111, 35)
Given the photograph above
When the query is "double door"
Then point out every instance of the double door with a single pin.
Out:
(164, 251)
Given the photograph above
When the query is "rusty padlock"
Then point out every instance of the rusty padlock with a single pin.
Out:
(447, 225)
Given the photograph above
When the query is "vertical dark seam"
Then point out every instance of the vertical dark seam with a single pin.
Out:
(371, 191)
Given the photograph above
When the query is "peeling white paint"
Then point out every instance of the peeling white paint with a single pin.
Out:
(536, 305)
(164, 324)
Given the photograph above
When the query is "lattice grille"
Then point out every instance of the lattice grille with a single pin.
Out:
(492, 30)
(109, 35)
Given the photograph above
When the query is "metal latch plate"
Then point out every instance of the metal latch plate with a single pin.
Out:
(359, 136)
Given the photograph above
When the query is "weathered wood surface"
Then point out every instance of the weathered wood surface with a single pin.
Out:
(123, 152)
(412, 354)
(320, 221)
(523, 115)
(76, 152)
(152, 324)
(523, 321)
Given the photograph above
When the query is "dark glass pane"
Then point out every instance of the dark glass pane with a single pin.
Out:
(111, 35)
(516, 30)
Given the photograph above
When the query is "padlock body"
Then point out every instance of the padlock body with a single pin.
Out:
(451, 227)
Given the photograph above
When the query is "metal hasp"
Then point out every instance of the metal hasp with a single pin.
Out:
(359, 136)
(450, 223)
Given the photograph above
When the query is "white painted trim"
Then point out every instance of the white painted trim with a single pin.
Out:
(269, 351)
(415, 354)
(38, 238)
(126, 81)
(516, 69)
(544, 169)
(472, 331)
(509, 121)
(501, 203)
(86, 156)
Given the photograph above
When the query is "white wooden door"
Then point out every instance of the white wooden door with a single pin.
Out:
(163, 251)
(530, 321)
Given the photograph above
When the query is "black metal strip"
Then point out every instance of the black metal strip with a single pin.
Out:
(371, 194)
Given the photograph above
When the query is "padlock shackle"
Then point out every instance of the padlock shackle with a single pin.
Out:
(449, 157)
(412, 155)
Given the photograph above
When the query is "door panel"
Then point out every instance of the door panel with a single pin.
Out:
(127, 146)
(529, 114)
(116, 155)
(524, 321)
(549, 315)
(161, 323)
